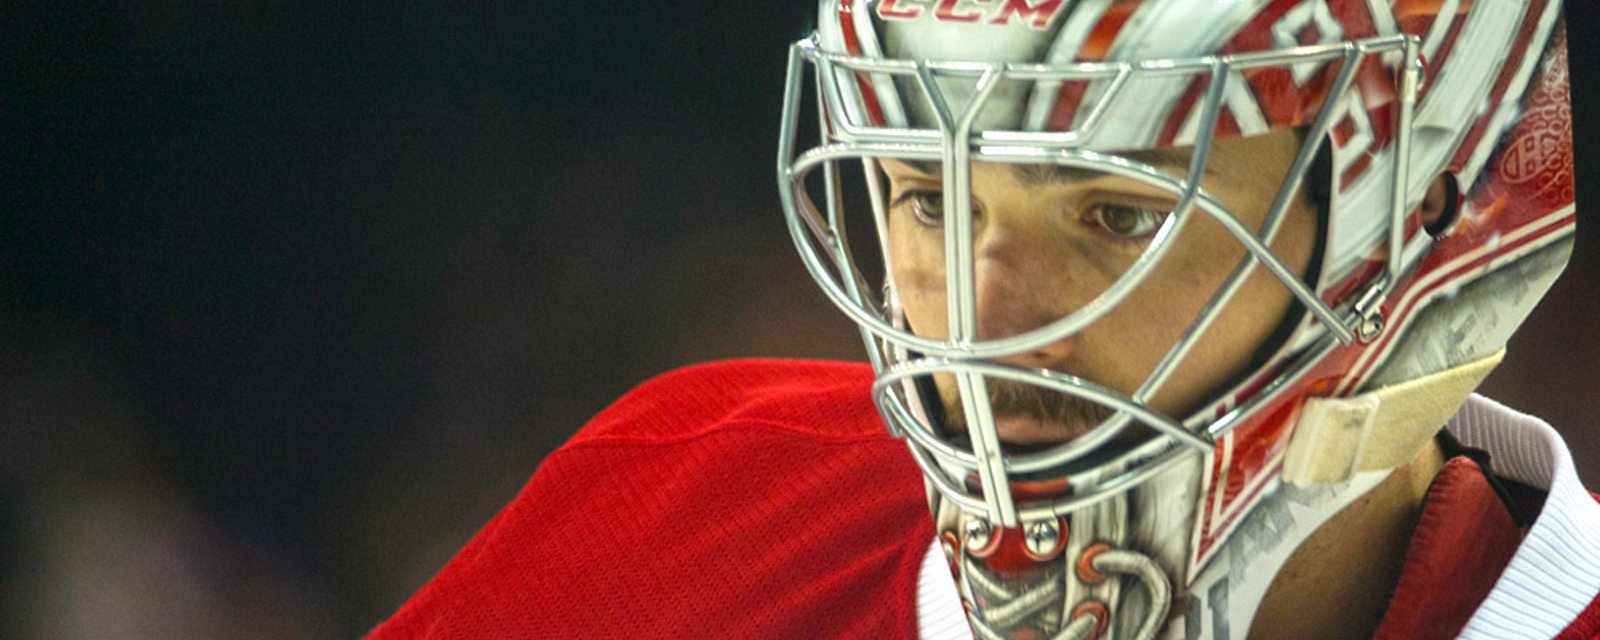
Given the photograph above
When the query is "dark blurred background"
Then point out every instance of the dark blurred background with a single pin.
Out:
(293, 297)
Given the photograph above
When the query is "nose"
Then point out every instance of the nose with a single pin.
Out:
(1025, 278)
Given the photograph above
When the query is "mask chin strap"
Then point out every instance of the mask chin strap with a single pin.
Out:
(1336, 438)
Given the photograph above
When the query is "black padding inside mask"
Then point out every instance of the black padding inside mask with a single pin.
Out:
(1452, 207)
(928, 395)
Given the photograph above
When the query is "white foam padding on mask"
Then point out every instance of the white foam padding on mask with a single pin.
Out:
(1382, 429)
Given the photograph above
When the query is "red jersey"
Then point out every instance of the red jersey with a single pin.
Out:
(754, 499)
(764, 499)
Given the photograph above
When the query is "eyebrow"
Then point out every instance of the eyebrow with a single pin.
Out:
(1039, 175)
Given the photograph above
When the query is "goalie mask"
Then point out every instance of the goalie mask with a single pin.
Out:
(1154, 288)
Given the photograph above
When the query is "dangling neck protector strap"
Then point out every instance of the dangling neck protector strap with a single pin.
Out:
(1380, 429)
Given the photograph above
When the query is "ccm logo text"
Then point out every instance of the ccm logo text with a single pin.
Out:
(1037, 14)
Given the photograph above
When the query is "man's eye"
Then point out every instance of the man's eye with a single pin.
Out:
(1125, 221)
(927, 206)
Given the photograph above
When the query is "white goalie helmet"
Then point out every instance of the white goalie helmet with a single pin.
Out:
(1129, 528)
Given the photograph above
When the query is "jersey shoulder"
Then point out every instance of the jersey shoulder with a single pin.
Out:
(807, 398)
(744, 499)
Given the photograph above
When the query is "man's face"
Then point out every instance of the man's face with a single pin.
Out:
(1048, 241)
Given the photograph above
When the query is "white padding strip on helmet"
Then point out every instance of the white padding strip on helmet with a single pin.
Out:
(1381, 429)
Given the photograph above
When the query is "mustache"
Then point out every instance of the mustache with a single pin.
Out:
(1016, 399)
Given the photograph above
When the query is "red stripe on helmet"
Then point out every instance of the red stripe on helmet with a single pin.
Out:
(1283, 102)
(1094, 48)
(1519, 47)
(1416, 17)
(1175, 120)
(852, 44)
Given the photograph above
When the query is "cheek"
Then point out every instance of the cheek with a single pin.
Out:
(919, 279)
(1244, 325)
(1132, 341)
(1263, 301)
(1202, 258)
(1151, 320)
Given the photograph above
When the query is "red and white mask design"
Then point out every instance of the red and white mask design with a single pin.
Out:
(1084, 482)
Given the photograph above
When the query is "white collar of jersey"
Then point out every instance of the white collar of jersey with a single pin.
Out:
(1553, 576)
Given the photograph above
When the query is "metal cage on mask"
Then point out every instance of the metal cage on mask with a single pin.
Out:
(979, 480)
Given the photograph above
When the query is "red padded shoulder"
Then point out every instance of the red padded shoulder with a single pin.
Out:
(819, 398)
(750, 499)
